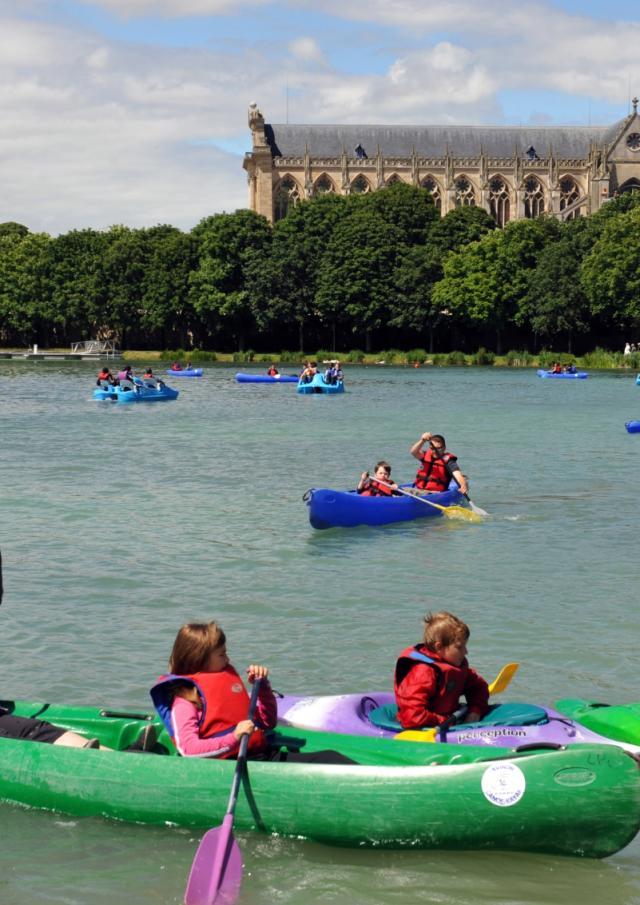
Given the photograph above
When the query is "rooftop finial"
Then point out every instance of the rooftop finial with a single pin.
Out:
(634, 101)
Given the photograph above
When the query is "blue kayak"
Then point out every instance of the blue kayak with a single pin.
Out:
(633, 427)
(638, 379)
(141, 393)
(186, 372)
(348, 509)
(578, 375)
(319, 385)
(265, 378)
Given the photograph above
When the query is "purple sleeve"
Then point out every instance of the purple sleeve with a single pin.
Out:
(184, 718)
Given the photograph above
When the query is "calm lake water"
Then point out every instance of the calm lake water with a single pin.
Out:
(120, 523)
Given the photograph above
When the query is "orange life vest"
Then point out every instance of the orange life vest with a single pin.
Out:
(376, 488)
(433, 473)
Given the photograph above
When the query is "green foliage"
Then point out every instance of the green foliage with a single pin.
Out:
(547, 358)
(355, 357)
(518, 359)
(482, 357)
(455, 358)
(200, 355)
(419, 355)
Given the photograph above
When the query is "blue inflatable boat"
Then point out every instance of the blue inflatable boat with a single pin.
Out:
(633, 427)
(348, 509)
(319, 385)
(638, 380)
(265, 378)
(186, 372)
(141, 392)
(578, 375)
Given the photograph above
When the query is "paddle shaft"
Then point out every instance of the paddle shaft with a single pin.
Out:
(415, 496)
(242, 753)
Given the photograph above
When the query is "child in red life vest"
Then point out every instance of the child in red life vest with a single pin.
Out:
(437, 466)
(378, 485)
(204, 703)
(430, 677)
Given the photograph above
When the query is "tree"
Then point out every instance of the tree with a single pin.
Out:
(23, 287)
(356, 277)
(414, 307)
(78, 286)
(229, 247)
(166, 305)
(555, 301)
(406, 207)
(285, 281)
(611, 271)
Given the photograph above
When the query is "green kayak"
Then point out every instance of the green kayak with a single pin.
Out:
(618, 721)
(583, 800)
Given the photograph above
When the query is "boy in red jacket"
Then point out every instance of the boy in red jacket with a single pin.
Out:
(430, 677)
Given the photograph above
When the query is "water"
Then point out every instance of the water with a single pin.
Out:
(120, 523)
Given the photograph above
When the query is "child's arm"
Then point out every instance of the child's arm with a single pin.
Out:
(476, 692)
(414, 696)
(184, 717)
(267, 708)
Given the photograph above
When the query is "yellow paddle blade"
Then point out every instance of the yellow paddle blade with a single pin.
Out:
(503, 678)
(416, 735)
(460, 512)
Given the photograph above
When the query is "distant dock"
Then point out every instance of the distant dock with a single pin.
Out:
(89, 350)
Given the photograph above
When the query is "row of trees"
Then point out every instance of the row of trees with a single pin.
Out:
(381, 269)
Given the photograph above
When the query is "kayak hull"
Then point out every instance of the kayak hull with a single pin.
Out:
(506, 725)
(347, 509)
(633, 427)
(582, 801)
(140, 394)
(187, 372)
(318, 385)
(264, 378)
(616, 721)
(579, 375)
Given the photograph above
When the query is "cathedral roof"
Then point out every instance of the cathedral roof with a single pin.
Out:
(433, 141)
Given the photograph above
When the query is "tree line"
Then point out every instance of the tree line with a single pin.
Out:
(378, 270)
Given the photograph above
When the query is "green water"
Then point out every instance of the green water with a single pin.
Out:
(121, 522)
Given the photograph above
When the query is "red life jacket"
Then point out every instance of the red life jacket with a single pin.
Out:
(433, 473)
(376, 488)
(450, 680)
(272, 372)
(225, 703)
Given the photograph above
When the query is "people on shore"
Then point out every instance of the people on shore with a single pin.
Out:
(378, 485)
(438, 467)
(204, 704)
(431, 676)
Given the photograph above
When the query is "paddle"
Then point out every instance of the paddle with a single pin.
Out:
(498, 685)
(458, 512)
(476, 509)
(216, 871)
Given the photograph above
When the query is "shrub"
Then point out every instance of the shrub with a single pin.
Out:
(455, 358)
(355, 357)
(324, 355)
(483, 357)
(243, 357)
(201, 355)
(518, 358)
(290, 357)
(419, 355)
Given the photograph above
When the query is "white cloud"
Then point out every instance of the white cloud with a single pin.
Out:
(172, 9)
(306, 50)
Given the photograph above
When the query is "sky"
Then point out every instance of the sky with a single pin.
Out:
(135, 111)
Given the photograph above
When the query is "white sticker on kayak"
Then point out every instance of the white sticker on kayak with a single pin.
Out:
(503, 784)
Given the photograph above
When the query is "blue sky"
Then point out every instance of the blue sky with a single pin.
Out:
(135, 111)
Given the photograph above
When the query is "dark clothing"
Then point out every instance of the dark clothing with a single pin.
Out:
(20, 727)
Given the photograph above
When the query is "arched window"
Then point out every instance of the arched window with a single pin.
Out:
(360, 185)
(393, 179)
(499, 200)
(631, 185)
(323, 185)
(533, 198)
(287, 196)
(433, 188)
(465, 196)
(569, 192)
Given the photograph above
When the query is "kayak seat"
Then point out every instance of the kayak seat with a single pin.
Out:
(288, 742)
(512, 714)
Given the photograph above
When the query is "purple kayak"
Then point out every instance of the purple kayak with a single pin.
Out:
(374, 714)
